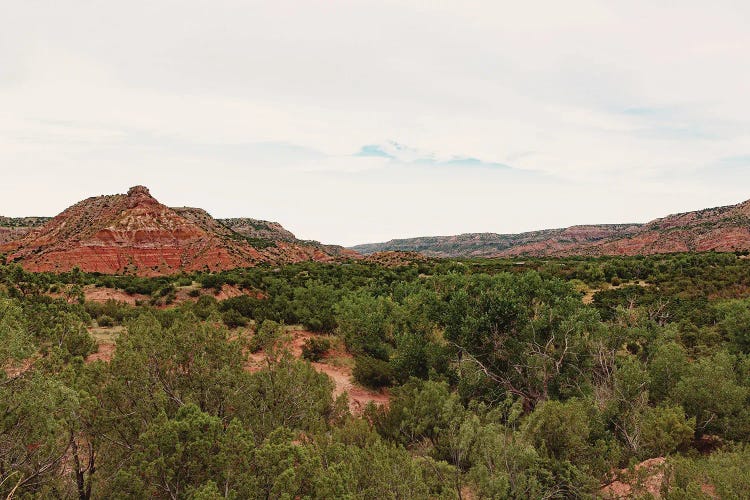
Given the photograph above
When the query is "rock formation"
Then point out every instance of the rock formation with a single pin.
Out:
(135, 234)
(722, 229)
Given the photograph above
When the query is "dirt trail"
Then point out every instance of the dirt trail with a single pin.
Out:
(182, 294)
(103, 353)
(337, 365)
(359, 396)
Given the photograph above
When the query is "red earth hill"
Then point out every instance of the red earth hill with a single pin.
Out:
(135, 234)
(721, 229)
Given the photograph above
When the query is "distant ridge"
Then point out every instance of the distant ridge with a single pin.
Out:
(135, 234)
(13, 228)
(722, 229)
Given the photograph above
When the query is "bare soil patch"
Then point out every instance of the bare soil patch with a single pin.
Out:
(588, 297)
(645, 478)
(106, 341)
(103, 294)
(337, 365)
(643, 481)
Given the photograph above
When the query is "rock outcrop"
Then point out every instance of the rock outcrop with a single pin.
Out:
(259, 229)
(135, 234)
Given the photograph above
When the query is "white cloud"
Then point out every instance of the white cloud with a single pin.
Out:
(622, 110)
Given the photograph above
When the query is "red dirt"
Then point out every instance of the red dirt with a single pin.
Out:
(645, 480)
(228, 292)
(104, 353)
(341, 376)
(647, 477)
(359, 396)
(13, 370)
(102, 294)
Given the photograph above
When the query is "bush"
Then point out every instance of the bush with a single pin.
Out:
(562, 429)
(195, 293)
(166, 290)
(315, 348)
(709, 391)
(205, 305)
(105, 321)
(214, 281)
(372, 372)
(268, 332)
(185, 281)
(233, 319)
(246, 306)
(664, 430)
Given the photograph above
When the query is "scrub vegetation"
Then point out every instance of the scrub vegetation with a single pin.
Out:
(504, 378)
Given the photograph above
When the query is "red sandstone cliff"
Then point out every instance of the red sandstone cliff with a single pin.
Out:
(134, 233)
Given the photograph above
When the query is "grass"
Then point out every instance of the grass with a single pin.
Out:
(106, 335)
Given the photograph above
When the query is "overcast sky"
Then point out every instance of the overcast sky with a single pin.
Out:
(361, 121)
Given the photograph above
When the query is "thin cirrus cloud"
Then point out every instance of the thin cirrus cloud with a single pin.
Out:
(404, 154)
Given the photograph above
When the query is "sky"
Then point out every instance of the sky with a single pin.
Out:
(361, 121)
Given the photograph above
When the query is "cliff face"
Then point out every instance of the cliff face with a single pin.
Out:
(723, 229)
(134, 233)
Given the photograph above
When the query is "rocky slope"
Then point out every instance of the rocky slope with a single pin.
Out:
(134, 233)
(13, 228)
(546, 241)
(258, 231)
(723, 229)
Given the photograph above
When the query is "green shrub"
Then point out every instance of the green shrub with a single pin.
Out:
(167, 290)
(372, 372)
(664, 430)
(315, 348)
(205, 305)
(233, 319)
(105, 321)
(184, 281)
(268, 332)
